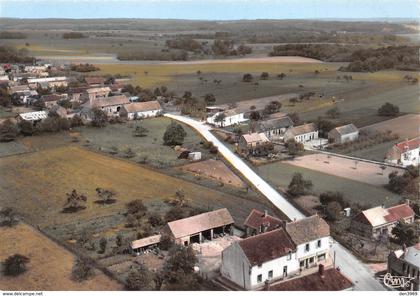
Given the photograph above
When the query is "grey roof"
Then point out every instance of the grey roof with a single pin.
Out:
(276, 123)
(308, 229)
(346, 129)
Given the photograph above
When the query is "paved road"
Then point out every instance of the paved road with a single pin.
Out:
(352, 267)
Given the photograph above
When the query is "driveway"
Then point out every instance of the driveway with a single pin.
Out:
(352, 267)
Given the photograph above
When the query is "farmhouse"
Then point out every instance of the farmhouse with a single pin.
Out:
(302, 133)
(274, 128)
(95, 80)
(258, 222)
(406, 262)
(278, 254)
(52, 82)
(377, 222)
(141, 110)
(312, 238)
(405, 153)
(227, 118)
(76, 94)
(324, 280)
(253, 144)
(343, 134)
(98, 92)
(143, 244)
(111, 105)
(52, 99)
(203, 226)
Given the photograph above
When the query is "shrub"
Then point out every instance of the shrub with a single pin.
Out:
(174, 134)
(388, 109)
(298, 185)
(82, 270)
(15, 265)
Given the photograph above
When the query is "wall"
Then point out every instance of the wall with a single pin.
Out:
(313, 250)
(152, 113)
(235, 266)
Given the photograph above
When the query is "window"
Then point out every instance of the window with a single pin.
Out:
(307, 248)
(321, 257)
(259, 278)
(270, 274)
(289, 255)
(318, 244)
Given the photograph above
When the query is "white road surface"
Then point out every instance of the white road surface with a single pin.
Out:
(352, 267)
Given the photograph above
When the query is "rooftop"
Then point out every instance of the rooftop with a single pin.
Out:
(267, 246)
(94, 80)
(111, 101)
(142, 106)
(378, 216)
(255, 138)
(302, 129)
(308, 229)
(195, 224)
(275, 123)
(346, 129)
(37, 115)
(147, 241)
(98, 89)
(411, 255)
(256, 219)
(331, 280)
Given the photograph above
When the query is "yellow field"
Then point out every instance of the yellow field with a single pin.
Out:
(159, 74)
(49, 267)
(36, 185)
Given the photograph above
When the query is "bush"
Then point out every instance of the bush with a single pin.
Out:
(102, 245)
(247, 77)
(100, 118)
(298, 185)
(15, 265)
(174, 134)
(26, 128)
(82, 270)
(139, 278)
(388, 109)
(136, 206)
(329, 196)
(8, 217)
(8, 131)
(294, 148)
(73, 35)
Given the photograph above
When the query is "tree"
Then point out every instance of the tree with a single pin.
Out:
(136, 207)
(140, 278)
(406, 233)
(174, 134)
(298, 185)
(398, 183)
(327, 197)
(247, 77)
(82, 270)
(75, 202)
(333, 210)
(210, 99)
(175, 213)
(99, 118)
(388, 109)
(220, 118)
(272, 107)
(294, 148)
(5, 99)
(333, 112)
(26, 128)
(281, 76)
(105, 196)
(324, 126)
(76, 121)
(8, 217)
(15, 265)
(295, 118)
(255, 115)
(264, 75)
(166, 242)
(102, 245)
(8, 131)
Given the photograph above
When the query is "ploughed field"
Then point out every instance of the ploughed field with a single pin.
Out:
(50, 265)
(36, 185)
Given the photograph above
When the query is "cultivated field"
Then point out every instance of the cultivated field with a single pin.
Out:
(36, 185)
(214, 169)
(407, 126)
(50, 265)
(280, 174)
(346, 168)
(119, 137)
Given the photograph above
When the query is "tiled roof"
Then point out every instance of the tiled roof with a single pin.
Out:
(111, 101)
(346, 129)
(255, 138)
(378, 216)
(267, 246)
(256, 219)
(142, 106)
(94, 80)
(98, 89)
(302, 129)
(275, 123)
(307, 229)
(332, 280)
(195, 224)
(147, 241)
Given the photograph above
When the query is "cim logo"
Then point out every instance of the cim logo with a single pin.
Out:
(396, 281)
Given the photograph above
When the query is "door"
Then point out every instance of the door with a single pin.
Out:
(285, 271)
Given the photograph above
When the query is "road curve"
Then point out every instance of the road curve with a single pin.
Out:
(352, 267)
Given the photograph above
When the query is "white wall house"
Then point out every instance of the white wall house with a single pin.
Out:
(302, 133)
(405, 153)
(141, 110)
(231, 118)
(256, 259)
(277, 254)
(343, 134)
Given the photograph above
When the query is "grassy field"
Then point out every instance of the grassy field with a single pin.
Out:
(280, 174)
(151, 146)
(50, 265)
(36, 184)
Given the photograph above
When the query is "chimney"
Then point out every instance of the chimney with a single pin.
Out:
(407, 201)
(383, 206)
(404, 247)
(321, 270)
(265, 213)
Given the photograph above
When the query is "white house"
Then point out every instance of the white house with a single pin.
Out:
(264, 257)
(312, 238)
(141, 110)
(405, 153)
(302, 133)
(229, 117)
(52, 82)
(343, 134)
(33, 116)
(110, 105)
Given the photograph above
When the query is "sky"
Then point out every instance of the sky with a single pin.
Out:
(211, 9)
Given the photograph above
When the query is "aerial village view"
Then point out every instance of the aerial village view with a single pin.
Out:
(211, 146)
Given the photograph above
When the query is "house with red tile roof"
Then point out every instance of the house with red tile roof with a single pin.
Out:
(405, 153)
(258, 222)
(379, 221)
